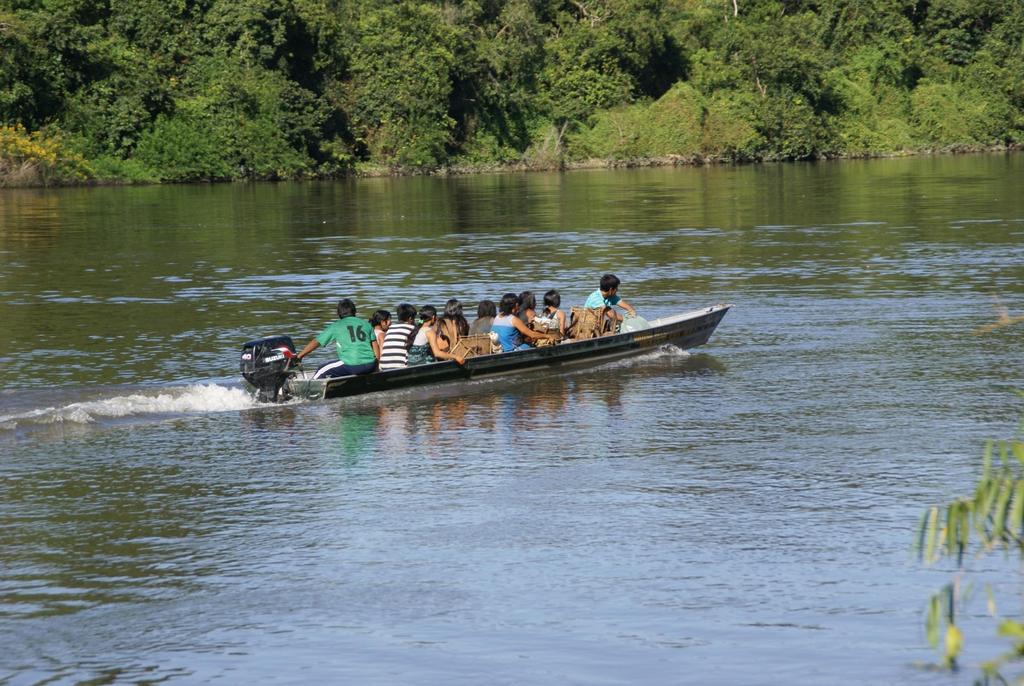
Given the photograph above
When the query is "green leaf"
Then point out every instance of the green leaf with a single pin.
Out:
(1017, 511)
(984, 496)
(950, 604)
(932, 620)
(922, 527)
(1011, 629)
(999, 514)
(965, 531)
(949, 533)
(929, 537)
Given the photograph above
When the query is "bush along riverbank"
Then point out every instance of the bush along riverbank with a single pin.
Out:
(99, 92)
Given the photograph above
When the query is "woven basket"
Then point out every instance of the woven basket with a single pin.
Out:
(471, 346)
(548, 326)
(544, 325)
(587, 322)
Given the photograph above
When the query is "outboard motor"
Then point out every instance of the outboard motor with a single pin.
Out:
(266, 364)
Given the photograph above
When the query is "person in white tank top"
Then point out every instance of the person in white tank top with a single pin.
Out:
(426, 347)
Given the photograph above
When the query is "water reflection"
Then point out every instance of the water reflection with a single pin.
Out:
(355, 436)
(529, 410)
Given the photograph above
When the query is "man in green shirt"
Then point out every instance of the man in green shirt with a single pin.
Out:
(356, 343)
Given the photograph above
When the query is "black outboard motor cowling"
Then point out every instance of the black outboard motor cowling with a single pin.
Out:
(266, 364)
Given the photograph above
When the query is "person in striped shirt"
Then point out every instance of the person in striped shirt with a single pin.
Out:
(395, 351)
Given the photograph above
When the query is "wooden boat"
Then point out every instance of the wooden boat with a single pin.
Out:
(686, 330)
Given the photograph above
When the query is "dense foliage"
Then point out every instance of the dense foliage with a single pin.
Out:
(180, 90)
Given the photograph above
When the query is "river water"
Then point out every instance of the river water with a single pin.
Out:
(740, 514)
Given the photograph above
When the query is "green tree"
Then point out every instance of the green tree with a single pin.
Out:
(494, 101)
(730, 128)
(400, 83)
(184, 148)
(264, 125)
(603, 53)
(31, 85)
(950, 114)
(954, 29)
(110, 113)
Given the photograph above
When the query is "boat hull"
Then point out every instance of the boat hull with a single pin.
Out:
(685, 331)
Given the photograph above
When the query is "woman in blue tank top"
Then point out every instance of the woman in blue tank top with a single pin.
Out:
(510, 329)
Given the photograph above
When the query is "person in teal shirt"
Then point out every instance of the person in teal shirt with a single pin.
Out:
(355, 340)
(608, 296)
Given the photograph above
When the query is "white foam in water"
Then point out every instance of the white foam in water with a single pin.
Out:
(205, 398)
(646, 358)
(199, 398)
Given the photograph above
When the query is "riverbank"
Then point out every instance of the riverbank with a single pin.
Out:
(35, 174)
(672, 161)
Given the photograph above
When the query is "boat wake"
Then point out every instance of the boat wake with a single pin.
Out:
(36, 417)
(648, 358)
(198, 398)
